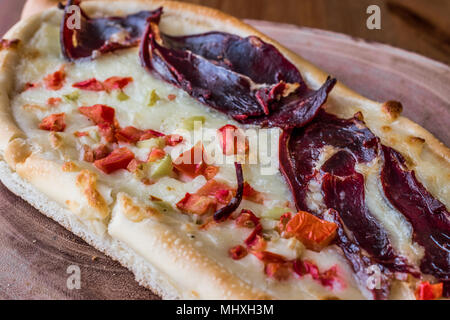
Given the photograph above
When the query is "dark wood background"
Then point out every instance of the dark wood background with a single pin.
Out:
(422, 26)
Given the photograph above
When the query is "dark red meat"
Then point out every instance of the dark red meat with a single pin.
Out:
(100, 35)
(429, 218)
(245, 78)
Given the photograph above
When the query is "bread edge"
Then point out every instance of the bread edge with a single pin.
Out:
(145, 274)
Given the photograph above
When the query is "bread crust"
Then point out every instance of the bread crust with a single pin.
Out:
(221, 284)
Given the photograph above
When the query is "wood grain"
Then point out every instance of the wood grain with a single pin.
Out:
(35, 251)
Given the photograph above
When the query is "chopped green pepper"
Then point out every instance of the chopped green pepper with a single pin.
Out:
(161, 168)
(189, 123)
(122, 96)
(72, 97)
(149, 144)
(153, 99)
(275, 213)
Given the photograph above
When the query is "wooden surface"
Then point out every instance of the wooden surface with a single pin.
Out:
(35, 251)
(421, 26)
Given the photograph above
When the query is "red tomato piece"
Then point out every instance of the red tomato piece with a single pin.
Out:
(211, 187)
(313, 232)
(55, 81)
(132, 135)
(155, 155)
(116, 83)
(238, 252)
(210, 172)
(99, 114)
(54, 122)
(232, 140)
(173, 140)
(255, 241)
(89, 85)
(247, 219)
(118, 159)
(196, 204)
(267, 257)
(192, 162)
(129, 135)
(54, 101)
(427, 291)
(278, 270)
(251, 194)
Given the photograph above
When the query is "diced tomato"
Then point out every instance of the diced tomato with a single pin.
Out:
(171, 97)
(113, 83)
(134, 164)
(102, 151)
(99, 114)
(54, 122)
(173, 140)
(427, 291)
(149, 134)
(98, 153)
(132, 135)
(118, 159)
(313, 232)
(267, 257)
(275, 265)
(54, 101)
(55, 81)
(251, 194)
(104, 117)
(155, 155)
(210, 172)
(284, 219)
(220, 191)
(232, 140)
(116, 83)
(329, 278)
(255, 241)
(192, 162)
(211, 187)
(278, 270)
(223, 196)
(247, 219)
(129, 135)
(303, 268)
(89, 85)
(196, 204)
(238, 252)
(108, 132)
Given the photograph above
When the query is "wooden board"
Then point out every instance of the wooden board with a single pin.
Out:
(35, 251)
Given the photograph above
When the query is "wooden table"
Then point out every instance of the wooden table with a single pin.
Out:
(422, 26)
(35, 251)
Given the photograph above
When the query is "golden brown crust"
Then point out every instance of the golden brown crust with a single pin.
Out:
(87, 183)
(197, 275)
(173, 254)
(135, 212)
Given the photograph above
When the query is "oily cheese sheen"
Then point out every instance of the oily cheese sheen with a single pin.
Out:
(119, 208)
